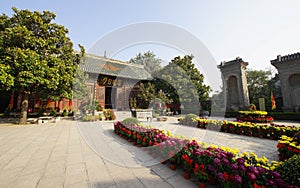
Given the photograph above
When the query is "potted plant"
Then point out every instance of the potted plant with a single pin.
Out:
(65, 112)
(187, 166)
(201, 174)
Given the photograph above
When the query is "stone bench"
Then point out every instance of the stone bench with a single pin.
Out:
(143, 114)
(32, 120)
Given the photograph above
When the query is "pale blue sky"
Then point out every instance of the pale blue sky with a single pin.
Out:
(256, 30)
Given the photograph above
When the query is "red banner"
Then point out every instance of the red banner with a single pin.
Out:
(273, 101)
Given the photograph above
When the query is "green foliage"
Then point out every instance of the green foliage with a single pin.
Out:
(190, 119)
(182, 81)
(40, 111)
(148, 94)
(74, 111)
(91, 117)
(260, 86)
(36, 56)
(294, 116)
(65, 112)
(148, 60)
(93, 105)
(80, 89)
(290, 170)
(98, 105)
(131, 121)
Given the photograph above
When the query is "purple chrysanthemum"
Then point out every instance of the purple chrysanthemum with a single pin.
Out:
(240, 160)
(225, 161)
(252, 177)
(238, 179)
(234, 167)
(242, 168)
(217, 162)
(221, 177)
(211, 168)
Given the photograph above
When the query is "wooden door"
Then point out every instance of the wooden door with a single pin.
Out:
(100, 95)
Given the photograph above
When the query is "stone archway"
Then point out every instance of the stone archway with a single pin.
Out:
(235, 84)
(289, 74)
(233, 92)
(294, 83)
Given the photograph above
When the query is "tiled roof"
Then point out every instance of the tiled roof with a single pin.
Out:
(111, 67)
(286, 58)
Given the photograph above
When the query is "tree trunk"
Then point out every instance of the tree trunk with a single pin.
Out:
(24, 108)
(19, 100)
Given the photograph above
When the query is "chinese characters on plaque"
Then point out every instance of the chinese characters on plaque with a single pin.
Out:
(109, 81)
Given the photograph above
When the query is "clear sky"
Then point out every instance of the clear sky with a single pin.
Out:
(255, 30)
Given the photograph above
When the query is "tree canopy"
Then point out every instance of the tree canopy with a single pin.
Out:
(149, 60)
(260, 85)
(181, 78)
(36, 56)
(180, 82)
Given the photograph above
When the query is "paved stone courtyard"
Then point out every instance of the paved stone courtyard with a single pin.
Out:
(79, 154)
(55, 155)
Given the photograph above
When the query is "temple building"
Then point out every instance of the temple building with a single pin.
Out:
(112, 82)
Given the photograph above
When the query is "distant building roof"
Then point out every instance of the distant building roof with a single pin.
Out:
(237, 60)
(286, 58)
(111, 67)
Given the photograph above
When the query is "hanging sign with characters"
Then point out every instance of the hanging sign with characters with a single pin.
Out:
(109, 81)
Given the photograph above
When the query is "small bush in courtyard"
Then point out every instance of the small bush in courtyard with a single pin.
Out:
(91, 117)
(131, 121)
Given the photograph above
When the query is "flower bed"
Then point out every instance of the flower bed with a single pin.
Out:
(243, 128)
(254, 116)
(225, 165)
(287, 147)
(259, 130)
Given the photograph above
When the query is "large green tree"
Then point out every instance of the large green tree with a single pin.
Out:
(187, 80)
(260, 85)
(36, 57)
(183, 83)
(148, 93)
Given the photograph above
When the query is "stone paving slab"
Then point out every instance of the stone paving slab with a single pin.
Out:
(56, 155)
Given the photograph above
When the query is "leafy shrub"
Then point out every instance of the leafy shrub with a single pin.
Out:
(65, 112)
(40, 111)
(131, 121)
(190, 119)
(295, 116)
(290, 170)
(91, 117)
(74, 112)
(98, 106)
